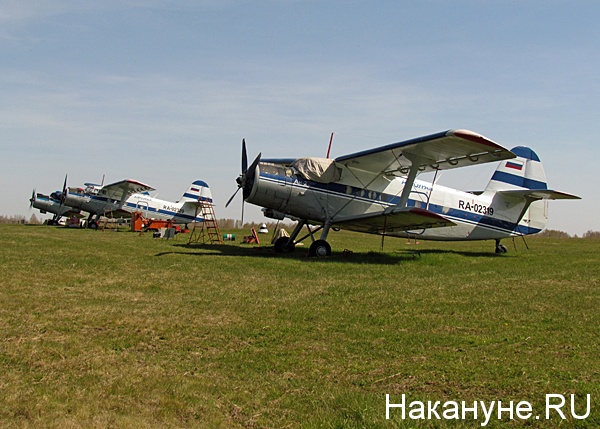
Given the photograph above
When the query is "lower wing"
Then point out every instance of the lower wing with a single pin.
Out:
(394, 219)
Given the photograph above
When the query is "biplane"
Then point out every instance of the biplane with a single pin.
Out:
(375, 191)
(129, 196)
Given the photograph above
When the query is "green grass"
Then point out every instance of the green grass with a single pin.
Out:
(106, 329)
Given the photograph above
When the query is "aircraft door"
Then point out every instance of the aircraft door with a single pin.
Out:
(284, 188)
(418, 199)
(142, 207)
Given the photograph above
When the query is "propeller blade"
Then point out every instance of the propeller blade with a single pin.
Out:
(232, 197)
(32, 199)
(63, 197)
(244, 157)
(248, 180)
(252, 169)
(64, 188)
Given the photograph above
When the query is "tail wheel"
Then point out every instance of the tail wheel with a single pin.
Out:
(501, 249)
(319, 248)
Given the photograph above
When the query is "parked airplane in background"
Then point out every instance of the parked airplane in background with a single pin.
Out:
(129, 196)
(376, 191)
(52, 204)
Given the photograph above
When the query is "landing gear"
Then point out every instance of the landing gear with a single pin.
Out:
(91, 222)
(319, 248)
(500, 248)
(284, 245)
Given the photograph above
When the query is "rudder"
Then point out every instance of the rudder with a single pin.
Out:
(523, 172)
(198, 191)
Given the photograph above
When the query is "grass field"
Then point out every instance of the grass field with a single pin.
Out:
(115, 329)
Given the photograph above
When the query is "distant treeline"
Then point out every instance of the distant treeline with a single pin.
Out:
(20, 219)
(272, 226)
(554, 233)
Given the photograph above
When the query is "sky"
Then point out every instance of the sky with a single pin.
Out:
(164, 91)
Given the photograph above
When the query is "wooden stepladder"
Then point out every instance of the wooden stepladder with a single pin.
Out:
(209, 231)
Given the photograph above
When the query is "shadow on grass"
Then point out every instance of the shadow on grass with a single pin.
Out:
(301, 253)
(463, 253)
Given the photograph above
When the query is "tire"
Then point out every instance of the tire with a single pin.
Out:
(319, 248)
(281, 245)
(501, 249)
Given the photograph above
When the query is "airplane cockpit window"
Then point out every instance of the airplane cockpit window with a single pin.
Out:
(276, 170)
(91, 190)
(77, 191)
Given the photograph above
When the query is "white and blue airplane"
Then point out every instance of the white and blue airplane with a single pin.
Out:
(375, 191)
(129, 196)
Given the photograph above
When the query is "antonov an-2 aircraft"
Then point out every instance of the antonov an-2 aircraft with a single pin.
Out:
(51, 204)
(131, 196)
(375, 191)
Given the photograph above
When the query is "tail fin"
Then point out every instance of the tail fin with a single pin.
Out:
(520, 185)
(198, 191)
(523, 172)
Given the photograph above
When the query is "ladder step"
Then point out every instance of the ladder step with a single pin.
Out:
(210, 227)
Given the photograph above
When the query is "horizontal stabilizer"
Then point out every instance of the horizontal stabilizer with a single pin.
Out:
(395, 219)
(538, 194)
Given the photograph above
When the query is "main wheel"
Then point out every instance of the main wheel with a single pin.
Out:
(281, 245)
(319, 248)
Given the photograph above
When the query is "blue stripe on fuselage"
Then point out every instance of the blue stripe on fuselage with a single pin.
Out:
(150, 209)
(387, 200)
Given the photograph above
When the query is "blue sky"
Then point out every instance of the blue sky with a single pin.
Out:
(164, 91)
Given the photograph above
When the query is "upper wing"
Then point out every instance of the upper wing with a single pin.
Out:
(441, 151)
(395, 219)
(123, 189)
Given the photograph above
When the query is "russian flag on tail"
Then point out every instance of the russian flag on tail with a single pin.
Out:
(514, 165)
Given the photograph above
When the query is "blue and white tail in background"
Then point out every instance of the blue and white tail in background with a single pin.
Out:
(197, 192)
(521, 191)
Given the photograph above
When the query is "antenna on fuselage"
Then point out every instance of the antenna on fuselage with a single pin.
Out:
(330, 141)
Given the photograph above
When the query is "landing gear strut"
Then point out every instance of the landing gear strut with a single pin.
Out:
(318, 247)
(500, 248)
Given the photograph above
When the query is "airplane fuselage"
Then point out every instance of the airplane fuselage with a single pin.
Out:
(179, 212)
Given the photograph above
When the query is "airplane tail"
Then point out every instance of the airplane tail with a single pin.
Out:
(522, 192)
(198, 191)
(523, 172)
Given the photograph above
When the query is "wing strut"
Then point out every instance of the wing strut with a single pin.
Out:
(416, 162)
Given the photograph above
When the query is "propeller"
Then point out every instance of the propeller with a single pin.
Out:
(32, 199)
(245, 180)
(63, 195)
